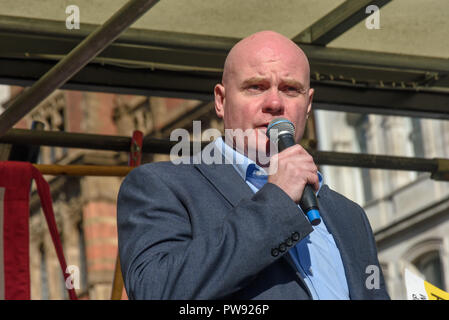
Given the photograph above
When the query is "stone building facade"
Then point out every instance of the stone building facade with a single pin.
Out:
(408, 211)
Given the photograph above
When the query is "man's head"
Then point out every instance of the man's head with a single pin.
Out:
(265, 76)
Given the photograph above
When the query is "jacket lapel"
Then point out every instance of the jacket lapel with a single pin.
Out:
(225, 179)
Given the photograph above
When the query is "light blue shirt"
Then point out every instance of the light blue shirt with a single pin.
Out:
(316, 257)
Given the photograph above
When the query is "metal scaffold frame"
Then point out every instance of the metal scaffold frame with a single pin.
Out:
(439, 168)
(205, 55)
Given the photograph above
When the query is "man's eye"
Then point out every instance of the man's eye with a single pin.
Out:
(255, 88)
(292, 90)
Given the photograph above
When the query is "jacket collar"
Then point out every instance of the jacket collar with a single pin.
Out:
(223, 176)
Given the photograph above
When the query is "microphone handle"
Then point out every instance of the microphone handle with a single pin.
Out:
(308, 202)
(285, 141)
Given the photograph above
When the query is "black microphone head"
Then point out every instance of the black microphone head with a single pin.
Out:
(279, 126)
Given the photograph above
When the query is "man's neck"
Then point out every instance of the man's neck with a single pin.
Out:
(252, 154)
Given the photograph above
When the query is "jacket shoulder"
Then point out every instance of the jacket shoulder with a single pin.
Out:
(150, 175)
(161, 169)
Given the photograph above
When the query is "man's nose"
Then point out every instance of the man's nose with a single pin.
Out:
(273, 102)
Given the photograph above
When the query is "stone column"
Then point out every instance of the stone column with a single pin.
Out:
(54, 273)
(445, 138)
(71, 212)
(397, 131)
(99, 196)
(396, 284)
(445, 261)
(36, 242)
(379, 178)
(427, 127)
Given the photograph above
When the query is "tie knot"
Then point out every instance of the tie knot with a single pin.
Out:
(256, 176)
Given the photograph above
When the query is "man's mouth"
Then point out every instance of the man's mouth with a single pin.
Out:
(263, 128)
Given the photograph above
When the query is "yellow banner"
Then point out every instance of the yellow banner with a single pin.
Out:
(435, 293)
(419, 289)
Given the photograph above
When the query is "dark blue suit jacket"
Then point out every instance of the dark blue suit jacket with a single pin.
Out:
(199, 232)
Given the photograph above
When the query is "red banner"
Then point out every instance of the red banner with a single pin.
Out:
(15, 186)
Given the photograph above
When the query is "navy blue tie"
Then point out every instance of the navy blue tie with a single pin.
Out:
(257, 180)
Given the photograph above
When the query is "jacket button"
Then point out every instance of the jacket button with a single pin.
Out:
(274, 252)
(282, 247)
(295, 236)
(289, 242)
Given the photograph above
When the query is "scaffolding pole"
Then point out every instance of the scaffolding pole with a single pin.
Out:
(439, 168)
(83, 170)
(84, 141)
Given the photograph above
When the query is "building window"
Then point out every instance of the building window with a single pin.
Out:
(429, 265)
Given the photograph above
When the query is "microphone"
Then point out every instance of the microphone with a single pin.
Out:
(281, 132)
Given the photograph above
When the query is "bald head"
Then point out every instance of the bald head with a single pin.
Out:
(266, 75)
(268, 43)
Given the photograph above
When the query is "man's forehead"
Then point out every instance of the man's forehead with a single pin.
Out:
(267, 52)
(264, 47)
(285, 70)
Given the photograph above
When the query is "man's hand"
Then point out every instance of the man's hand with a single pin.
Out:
(291, 170)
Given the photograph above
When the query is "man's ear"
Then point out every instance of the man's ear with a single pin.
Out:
(219, 93)
(309, 107)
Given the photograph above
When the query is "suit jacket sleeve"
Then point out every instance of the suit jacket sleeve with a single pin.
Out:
(160, 257)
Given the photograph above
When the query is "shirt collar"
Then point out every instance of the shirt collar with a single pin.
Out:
(243, 164)
(238, 160)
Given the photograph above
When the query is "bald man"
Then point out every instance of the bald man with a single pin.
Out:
(233, 229)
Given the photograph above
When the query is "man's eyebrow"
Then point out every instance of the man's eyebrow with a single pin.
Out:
(294, 83)
(288, 81)
(253, 80)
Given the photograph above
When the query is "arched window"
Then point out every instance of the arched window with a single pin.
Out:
(429, 264)
(424, 258)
